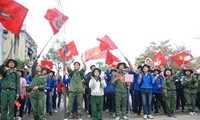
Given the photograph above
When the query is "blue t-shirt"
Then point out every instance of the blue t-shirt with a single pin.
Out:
(136, 86)
(156, 88)
(110, 87)
(147, 81)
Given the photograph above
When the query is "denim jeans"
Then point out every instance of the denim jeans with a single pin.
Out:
(59, 100)
(113, 102)
(49, 108)
(146, 100)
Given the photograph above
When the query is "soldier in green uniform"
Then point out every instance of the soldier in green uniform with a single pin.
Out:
(36, 90)
(76, 87)
(120, 91)
(10, 89)
(198, 90)
(169, 91)
(190, 90)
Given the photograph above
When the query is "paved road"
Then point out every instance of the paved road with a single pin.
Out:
(106, 116)
(179, 116)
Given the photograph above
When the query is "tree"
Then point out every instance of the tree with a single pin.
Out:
(168, 50)
(52, 55)
(22, 63)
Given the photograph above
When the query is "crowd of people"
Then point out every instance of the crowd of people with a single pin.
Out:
(39, 92)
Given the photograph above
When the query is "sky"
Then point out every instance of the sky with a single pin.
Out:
(131, 24)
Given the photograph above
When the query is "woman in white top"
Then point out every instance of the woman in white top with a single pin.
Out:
(97, 85)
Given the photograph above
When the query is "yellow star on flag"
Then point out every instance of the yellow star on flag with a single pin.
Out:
(181, 58)
(96, 53)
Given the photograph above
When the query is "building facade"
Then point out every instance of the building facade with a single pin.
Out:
(21, 47)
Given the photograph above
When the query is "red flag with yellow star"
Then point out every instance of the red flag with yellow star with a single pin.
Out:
(121, 77)
(182, 58)
(94, 53)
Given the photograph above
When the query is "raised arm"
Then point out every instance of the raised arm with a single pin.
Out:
(33, 69)
(129, 63)
(84, 64)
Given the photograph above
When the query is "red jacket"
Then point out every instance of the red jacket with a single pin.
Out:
(59, 87)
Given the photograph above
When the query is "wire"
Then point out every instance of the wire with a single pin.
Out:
(60, 8)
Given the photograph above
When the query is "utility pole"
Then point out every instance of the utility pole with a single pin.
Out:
(65, 49)
(1, 43)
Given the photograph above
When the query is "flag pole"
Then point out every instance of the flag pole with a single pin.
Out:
(46, 44)
(64, 48)
(121, 53)
(11, 48)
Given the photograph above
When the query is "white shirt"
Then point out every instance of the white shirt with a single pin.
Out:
(97, 87)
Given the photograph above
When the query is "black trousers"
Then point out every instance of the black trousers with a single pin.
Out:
(180, 98)
(198, 100)
(85, 101)
(109, 101)
(89, 104)
(158, 97)
(21, 109)
(136, 101)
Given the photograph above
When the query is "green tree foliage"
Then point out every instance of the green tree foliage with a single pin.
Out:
(21, 63)
(53, 56)
(167, 49)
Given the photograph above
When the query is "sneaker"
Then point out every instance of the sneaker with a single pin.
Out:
(65, 119)
(50, 113)
(194, 113)
(150, 116)
(107, 110)
(169, 115)
(173, 116)
(55, 111)
(80, 119)
(114, 115)
(145, 117)
(191, 113)
(125, 118)
(89, 116)
(19, 118)
(117, 118)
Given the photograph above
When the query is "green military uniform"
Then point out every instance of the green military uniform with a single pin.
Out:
(37, 97)
(190, 90)
(198, 84)
(120, 94)
(97, 107)
(75, 90)
(169, 92)
(10, 87)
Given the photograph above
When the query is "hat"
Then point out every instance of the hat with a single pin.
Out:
(139, 67)
(59, 77)
(184, 71)
(113, 70)
(159, 71)
(9, 60)
(121, 63)
(51, 71)
(47, 69)
(166, 71)
(145, 65)
(95, 70)
(196, 73)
